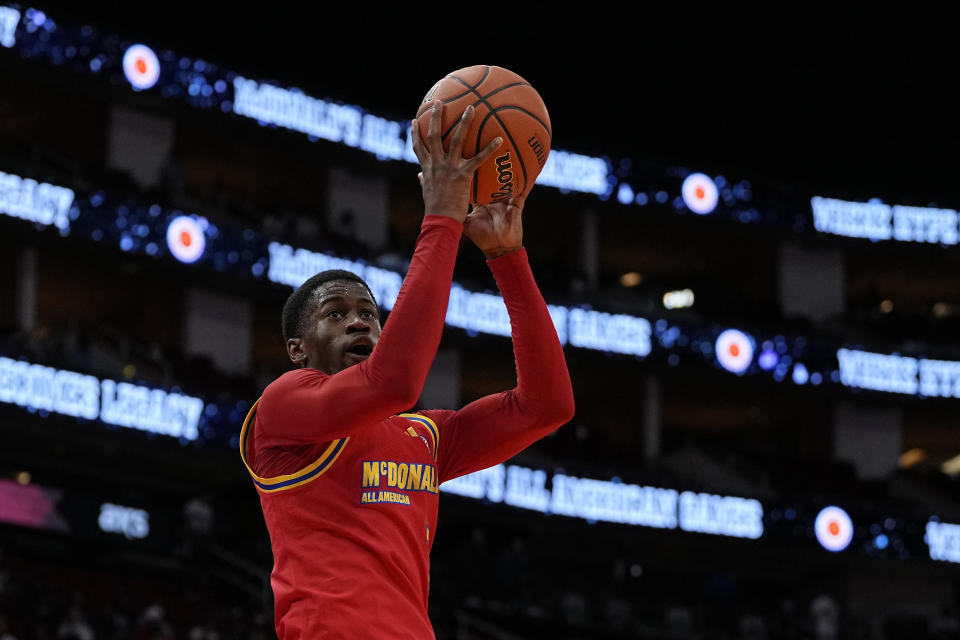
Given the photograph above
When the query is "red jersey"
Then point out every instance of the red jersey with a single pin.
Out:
(349, 483)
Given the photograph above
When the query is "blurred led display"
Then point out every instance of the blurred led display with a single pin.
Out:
(38, 388)
(721, 515)
(943, 541)
(185, 239)
(768, 359)
(31, 506)
(833, 528)
(678, 299)
(245, 253)
(699, 193)
(388, 140)
(878, 221)
(134, 524)
(615, 333)
(9, 18)
(734, 350)
(242, 252)
(141, 66)
(39, 202)
(610, 501)
(899, 374)
(800, 373)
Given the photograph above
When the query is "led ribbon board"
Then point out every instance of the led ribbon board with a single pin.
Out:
(943, 541)
(875, 220)
(242, 252)
(599, 500)
(474, 312)
(205, 85)
(386, 139)
(38, 388)
(38, 202)
(898, 374)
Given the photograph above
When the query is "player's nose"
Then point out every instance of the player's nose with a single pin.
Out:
(357, 324)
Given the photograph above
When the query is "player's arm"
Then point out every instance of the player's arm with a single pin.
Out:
(308, 405)
(497, 427)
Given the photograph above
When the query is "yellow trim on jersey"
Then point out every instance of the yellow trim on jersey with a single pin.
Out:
(429, 424)
(292, 480)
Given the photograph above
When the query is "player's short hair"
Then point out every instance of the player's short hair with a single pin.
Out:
(299, 303)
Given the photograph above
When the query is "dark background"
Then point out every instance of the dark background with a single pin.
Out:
(851, 95)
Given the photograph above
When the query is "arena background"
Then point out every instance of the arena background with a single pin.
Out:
(737, 372)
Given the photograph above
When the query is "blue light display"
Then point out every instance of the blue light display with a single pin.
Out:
(141, 67)
(156, 232)
(143, 228)
(833, 528)
(204, 85)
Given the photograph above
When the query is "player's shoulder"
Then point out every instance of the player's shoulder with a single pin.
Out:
(289, 382)
(437, 416)
(295, 378)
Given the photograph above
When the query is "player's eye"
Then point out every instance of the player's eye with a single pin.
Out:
(366, 313)
(334, 314)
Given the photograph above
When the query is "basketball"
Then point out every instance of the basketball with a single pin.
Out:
(507, 106)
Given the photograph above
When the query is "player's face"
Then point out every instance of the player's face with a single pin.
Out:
(341, 330)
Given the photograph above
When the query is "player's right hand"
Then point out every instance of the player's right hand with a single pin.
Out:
(446, 175)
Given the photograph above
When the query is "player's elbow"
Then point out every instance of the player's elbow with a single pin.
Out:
(558, 411)
(403, 391)
(564, 410)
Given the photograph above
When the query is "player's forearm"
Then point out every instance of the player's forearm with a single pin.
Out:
(544, 393)
(495, 428)
(411, 335)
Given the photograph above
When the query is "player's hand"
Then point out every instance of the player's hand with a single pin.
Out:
(446, 175)
(496, 228)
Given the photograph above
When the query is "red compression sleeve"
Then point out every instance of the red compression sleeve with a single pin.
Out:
(309, 406)
(497, 427)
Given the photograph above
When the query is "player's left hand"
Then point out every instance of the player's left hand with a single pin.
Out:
(496, 228)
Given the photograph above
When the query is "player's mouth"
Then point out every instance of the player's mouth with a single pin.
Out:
(360, 350)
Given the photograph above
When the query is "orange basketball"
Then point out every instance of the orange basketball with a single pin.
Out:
(507, 106)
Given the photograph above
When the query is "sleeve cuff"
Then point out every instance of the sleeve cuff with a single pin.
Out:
(438, 220)
(508, 259)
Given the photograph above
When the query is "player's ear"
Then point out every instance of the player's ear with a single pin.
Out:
(295, 351)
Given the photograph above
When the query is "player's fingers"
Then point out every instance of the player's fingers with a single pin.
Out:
(420, 178)
(485, 154)
(460, 132)
(417, 141)
(434, 140)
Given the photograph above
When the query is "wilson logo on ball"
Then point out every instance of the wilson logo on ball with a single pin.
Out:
(538, 150)
(504, 177)
(834, 529)
(185, 239)
(141, 66)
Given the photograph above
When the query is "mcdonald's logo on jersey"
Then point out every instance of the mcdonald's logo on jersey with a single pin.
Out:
(383, 480)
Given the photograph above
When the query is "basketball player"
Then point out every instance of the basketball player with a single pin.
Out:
(347, 481)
